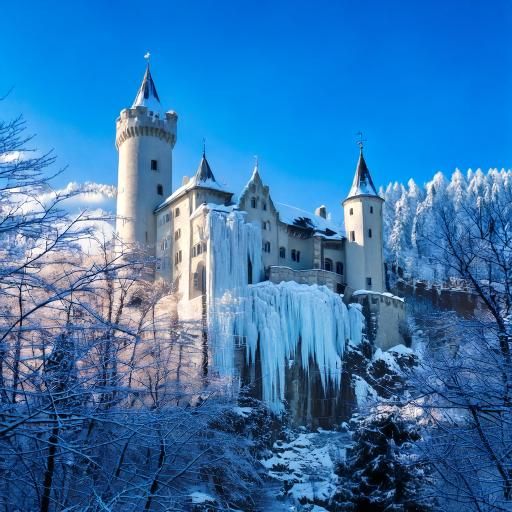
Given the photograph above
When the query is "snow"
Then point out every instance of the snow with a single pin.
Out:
(297, 217)
(245, 412)
(401, 349)
(275, 317)
(201, 497)
(357, 293)
(363, 391)
(388, 358)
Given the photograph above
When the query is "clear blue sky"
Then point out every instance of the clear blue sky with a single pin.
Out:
(429, 83)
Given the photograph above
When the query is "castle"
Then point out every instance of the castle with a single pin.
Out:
(292, 245)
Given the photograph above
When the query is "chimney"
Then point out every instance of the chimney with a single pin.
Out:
(321, 211)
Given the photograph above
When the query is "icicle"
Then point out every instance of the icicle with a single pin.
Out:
(274, 316)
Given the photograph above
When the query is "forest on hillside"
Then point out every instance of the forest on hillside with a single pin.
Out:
(103, 406)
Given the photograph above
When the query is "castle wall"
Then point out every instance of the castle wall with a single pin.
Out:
(364, 254)
(142, 138)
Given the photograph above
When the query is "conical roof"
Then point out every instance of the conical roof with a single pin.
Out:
(147, 95)
(204, 172)
(363, 183)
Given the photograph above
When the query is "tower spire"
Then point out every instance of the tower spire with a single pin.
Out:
(147, 96)
(362, 183)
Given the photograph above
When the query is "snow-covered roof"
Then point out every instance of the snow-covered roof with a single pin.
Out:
(147, 95)
(304, 219)
(203, 178)
(363, 183)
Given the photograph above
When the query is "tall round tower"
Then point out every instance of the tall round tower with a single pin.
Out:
(364, 230)
(145, 137)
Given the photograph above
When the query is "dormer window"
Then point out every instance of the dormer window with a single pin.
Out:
(154, 165)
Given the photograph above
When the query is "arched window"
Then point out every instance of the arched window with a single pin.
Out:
(160, 190)
(328, 264)
(266, 247)
(282, 252)
(339, 267)
(295, 255)
(253, 202)
(266, 225)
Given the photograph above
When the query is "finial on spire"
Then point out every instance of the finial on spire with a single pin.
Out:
(147, 57)
(361, 141)
(256, 161)
(204, 147)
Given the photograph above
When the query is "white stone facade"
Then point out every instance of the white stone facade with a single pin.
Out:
(296, 245)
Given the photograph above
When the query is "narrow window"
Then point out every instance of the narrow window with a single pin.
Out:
(339, 267)
(294, 255)
(298, 255)
(177, 212)
(177, 234)
(160, 190)
(253, 202)
(266, 247)
(264, 205)
(154, 165)
(371, 209)
(369, 233)
(282, 252)
(351, 211)
(352, 236)
(194, 252)
(264, 224)
(328, 264)
(369, 282)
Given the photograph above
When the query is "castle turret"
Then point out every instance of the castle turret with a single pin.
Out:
(363, 225)
(145, 137)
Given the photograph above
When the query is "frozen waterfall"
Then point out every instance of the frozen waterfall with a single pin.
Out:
(285, 318)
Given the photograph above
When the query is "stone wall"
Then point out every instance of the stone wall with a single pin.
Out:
(335, 282)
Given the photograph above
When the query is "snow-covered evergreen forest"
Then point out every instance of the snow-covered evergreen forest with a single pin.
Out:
(104, 404)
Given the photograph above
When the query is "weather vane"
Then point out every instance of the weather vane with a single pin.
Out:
(361, 141)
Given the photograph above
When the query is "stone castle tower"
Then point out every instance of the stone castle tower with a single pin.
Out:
(363, 226)
(145, 138)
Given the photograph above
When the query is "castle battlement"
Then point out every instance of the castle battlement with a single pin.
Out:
(141, 121)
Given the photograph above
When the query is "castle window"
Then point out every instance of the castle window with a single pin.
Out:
(160, 190)
(154, 165)
(264, 205)
(369, 282)
(194, 252)
(282, 252)
(328, 264)
(339, 267)
(371, 209)
(351, 211)
(298, 255)
(266, 246)
(177, 212)
(295, 255)
(266, 225)
(253, 202)
(369, 233)
(167, 217)
(178, 258)
(352, 236)
(177, 234)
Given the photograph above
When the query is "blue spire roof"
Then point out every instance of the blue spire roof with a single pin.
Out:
(147, 95)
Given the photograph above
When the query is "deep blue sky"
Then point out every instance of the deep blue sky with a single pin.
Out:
(429, 83)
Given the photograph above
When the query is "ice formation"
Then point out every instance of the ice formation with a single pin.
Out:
(287, 320)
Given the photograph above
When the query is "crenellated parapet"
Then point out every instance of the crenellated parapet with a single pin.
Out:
(139, 121)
